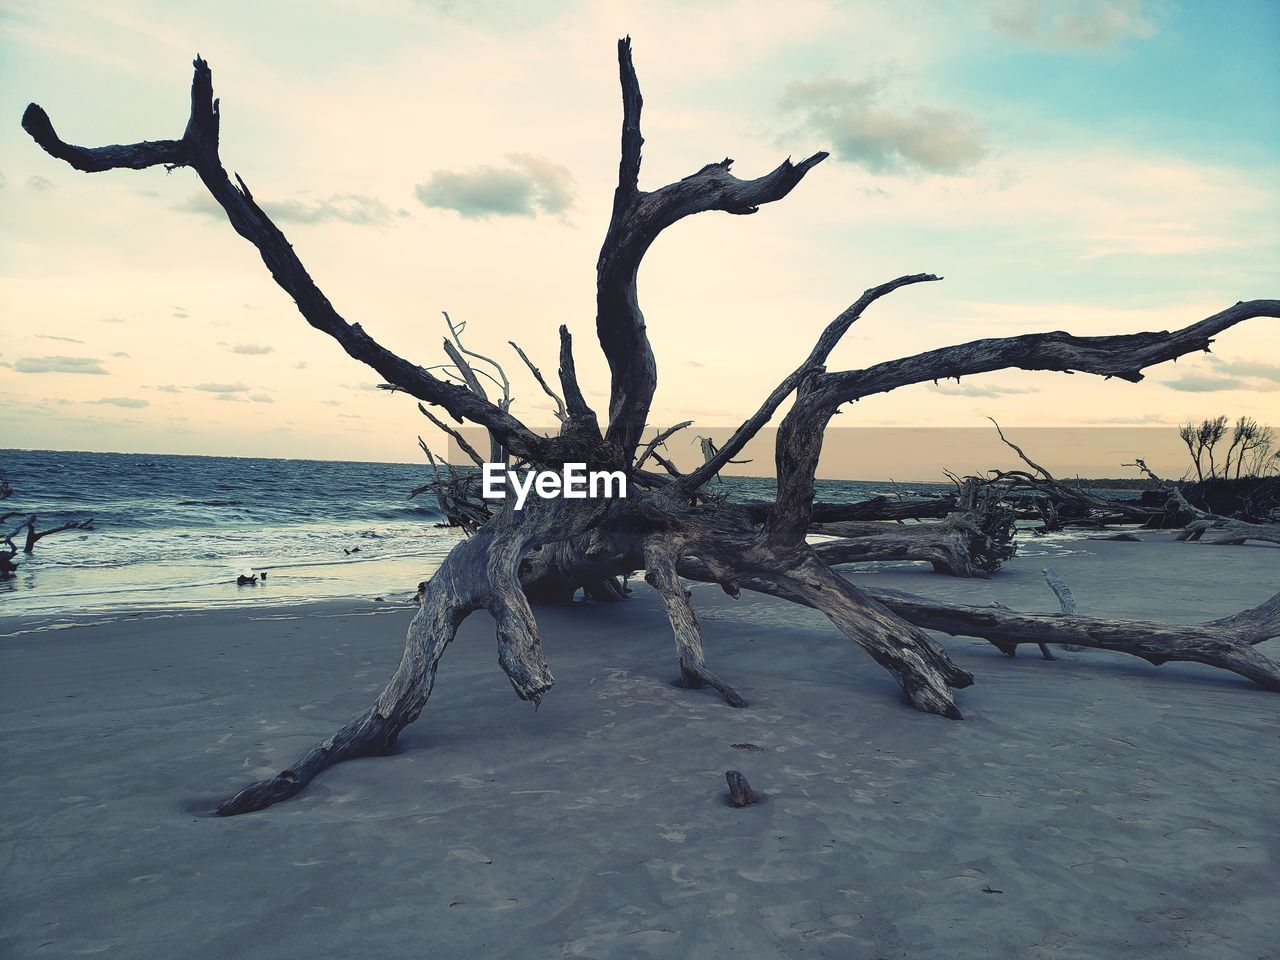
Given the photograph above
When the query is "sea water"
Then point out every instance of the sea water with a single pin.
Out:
(174, 531)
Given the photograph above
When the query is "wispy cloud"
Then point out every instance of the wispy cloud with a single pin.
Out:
(1214, 374)
(222, 387)
(1204, 383)
(529, 186)
(354, 208)
(1137, 420)
(133, 403)
(261, 398)
(41, 184)
(978, 390)
(87, 365)
(50, 336)
(1081, 24)
(252, 349)
(861, 130)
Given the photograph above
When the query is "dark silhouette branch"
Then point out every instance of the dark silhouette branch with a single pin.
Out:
(198, 149)
(638, 217)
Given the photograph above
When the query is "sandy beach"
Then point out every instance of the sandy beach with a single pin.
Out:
(1093, 806)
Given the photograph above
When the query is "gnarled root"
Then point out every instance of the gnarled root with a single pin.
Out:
(660, 573)
(923, 669)
(1227, 643)
(447, 599)
(965, 544)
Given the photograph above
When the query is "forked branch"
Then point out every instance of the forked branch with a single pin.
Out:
(638, 217)
(198, 149)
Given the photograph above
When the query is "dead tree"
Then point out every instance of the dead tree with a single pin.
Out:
(32, 536)
(666, 524)
(1038, 493)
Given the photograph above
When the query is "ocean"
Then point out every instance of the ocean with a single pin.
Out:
(172, 532)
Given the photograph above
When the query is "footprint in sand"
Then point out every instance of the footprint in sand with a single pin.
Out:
(675, 832)
(1170, 913)
(469, 856)
(499, 903)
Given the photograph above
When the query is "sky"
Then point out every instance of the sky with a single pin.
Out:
(1098, 166)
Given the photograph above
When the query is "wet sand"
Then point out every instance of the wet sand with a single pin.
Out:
(1091, 807)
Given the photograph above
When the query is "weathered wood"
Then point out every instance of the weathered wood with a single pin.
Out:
(35, 536)
(1229, 532)
(638, 217)
(198, 149)
(666, 524)
(660, 573)
(740, 792)
(962, 545)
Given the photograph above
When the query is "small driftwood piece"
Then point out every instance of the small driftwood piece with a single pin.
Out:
(740, 792)
(1066, 600)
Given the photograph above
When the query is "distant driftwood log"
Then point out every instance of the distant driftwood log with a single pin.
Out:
(670, 524)
(26, 529)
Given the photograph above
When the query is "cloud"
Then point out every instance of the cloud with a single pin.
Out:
(121, 354)
(230, 397)
(300, 365)
(43, 184)
(342, 207)
(167, 388)
(1204, 383)
(978, 390)
(59, 365)
(252, 349)
(1238, 374)
(222, 388)
(130, 402)
(261, 398)
(1066, 24)
(1135, 420)
(850, 116)
(530, 186)
(50, 336)
(113, 319)
(1253, 369)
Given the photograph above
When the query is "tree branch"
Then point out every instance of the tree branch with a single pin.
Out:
(659, 440)
(561, 413)
(469, 450)
(638, 217)
(198, 149)
(827, 342)
(574, 401)
(1124, 356)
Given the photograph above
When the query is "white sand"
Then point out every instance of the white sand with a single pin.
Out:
(1091, 807)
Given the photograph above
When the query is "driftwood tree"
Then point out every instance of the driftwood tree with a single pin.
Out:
(26, 529)
(668, 525)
